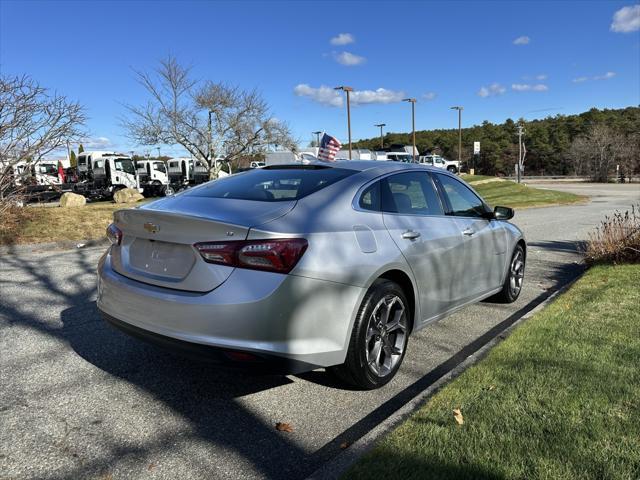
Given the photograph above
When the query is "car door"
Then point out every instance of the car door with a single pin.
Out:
(430, 241)
(485, 240)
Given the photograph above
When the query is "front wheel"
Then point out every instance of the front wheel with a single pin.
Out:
(512, 285)
(378, 339)
(452, 169)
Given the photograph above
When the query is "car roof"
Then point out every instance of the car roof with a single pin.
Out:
(364, 165)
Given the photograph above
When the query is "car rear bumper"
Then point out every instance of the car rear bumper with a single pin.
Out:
(299, 320)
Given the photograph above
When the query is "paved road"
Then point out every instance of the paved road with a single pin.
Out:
(80, 400)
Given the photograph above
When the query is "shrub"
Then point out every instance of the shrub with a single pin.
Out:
(616, 239)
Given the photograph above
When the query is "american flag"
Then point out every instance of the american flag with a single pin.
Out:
(329, 146)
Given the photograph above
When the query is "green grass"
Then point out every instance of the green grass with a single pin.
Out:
(512, 194)
(475, 178)
(52, 224)
(558, 399)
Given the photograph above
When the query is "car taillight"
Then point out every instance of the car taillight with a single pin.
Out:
(114, 234)
(277, 255)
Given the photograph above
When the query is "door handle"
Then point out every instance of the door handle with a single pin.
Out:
(468, 232)
(411, 234)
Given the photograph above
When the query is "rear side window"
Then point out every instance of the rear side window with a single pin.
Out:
(370, 198)
(411, 193)
(273, 184)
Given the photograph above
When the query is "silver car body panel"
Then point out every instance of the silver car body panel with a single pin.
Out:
(308, 314)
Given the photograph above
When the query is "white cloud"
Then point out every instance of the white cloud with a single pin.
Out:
(323, 94)
(342, 39)
(349, 59)
(492, 90)
(606, 76)
(626, 20)
(523, 40)
(380, 95)
(98, 143)
(542, 76)
(429, 95)
(528, 87)
(334, 98)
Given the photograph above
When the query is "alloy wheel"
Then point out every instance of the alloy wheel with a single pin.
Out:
(386, 335)
(516, 273)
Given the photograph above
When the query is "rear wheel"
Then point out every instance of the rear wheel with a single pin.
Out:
(515, 278)
(452, 169)
(378, 339)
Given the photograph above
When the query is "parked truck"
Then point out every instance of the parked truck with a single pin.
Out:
(100, 174)
(154, 178)
(452, 166)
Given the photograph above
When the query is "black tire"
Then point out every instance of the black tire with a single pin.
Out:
(514, 279)
(452, 169)
(363, 368)
(167, 191)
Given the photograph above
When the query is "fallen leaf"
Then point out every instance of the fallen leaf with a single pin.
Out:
(284, 427)
(344, 445)
(151, 466)
(457, 415)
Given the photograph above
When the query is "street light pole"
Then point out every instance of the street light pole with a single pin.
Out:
(519, 167)
(347, 90)
(317, 134)
(381, 136)
(459, 108)
(413, 123)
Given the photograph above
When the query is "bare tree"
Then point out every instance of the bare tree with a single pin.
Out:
(210, 120)
(33, 123)
(596, 152)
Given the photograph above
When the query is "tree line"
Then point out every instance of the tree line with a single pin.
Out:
(591, 143)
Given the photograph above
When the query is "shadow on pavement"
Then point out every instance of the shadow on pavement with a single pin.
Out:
(209, 397)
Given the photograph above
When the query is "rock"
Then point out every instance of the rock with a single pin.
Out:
(127, 195)
(69, 199)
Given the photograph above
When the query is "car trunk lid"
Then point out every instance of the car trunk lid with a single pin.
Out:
(157, 243)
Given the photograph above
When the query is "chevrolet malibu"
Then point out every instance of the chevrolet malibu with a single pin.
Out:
(304, 266)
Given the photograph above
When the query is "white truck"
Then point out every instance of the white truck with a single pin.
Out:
(154, 178)
(452, 166)
(101, 174)
(185, 172)
(40, 180)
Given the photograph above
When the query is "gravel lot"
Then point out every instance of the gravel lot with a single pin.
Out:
(81, 400)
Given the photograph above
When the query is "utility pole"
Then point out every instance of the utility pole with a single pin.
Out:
(413, 101)
(519, 166)
(459, 108)
(209, 146)
(347, 90)
(317, 134)
(381, 136)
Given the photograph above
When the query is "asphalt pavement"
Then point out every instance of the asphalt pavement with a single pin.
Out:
(81, 400)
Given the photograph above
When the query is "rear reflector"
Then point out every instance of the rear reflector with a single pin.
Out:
(277, 255)
(114, 234)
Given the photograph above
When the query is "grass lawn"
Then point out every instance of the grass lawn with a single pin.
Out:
(51, 224)
(559, 398)
(512, 194)
(475, 178)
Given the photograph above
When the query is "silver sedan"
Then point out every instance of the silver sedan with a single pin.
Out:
(307, 266)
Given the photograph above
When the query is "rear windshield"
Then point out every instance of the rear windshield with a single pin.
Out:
(273, 184)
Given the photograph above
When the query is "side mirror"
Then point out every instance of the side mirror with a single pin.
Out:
(503, 213)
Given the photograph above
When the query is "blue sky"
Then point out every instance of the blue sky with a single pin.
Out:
(497, 59)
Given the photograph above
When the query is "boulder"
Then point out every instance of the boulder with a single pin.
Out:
(127, 195)
(69, 199)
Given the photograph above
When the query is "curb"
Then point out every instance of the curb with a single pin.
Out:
(50, 246)
(337, 466)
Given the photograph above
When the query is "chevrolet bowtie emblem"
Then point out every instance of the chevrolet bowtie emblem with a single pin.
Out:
(151, 227)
